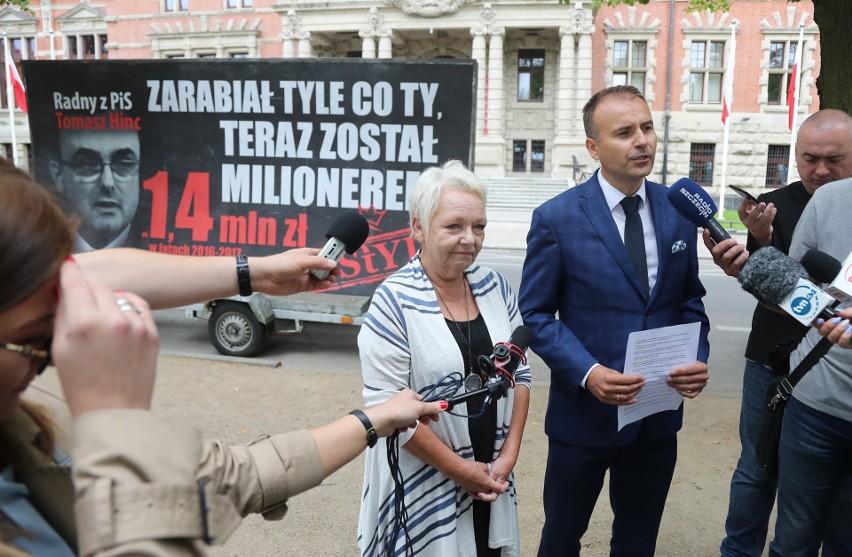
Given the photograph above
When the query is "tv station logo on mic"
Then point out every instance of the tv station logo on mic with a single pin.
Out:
(805, 302)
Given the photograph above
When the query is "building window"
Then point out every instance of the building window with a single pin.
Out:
(706, 63)
(238, 54)
(537, 155)
(205, 55)
(777, 160)
(782, 56)
(175, 5)
(629, 63)
(701, 157)
(532, 163)
(230, 4)
(87, 47)
(531, 75)
(519, 155)
(23, 48)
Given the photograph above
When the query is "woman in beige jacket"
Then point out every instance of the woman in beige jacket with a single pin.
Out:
(143, 483)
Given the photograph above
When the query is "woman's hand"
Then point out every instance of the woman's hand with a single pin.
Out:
(402, 411)
(477, 481)
(288, 272)
(838, 330)
(104, 346)
(502, 466)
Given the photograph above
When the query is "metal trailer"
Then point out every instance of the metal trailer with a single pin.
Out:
(240, 325)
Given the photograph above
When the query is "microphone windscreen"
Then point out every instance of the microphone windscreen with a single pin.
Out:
(521, 337)
(820, 265)
(351, 229)
(691, 201)
(769, 275)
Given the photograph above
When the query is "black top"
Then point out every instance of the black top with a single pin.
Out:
(768, 327)
(482, 429)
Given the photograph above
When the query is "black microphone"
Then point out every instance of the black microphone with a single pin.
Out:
(778, 280)
(691, 201)
(346, 233)
(821, 266)
(499, 368)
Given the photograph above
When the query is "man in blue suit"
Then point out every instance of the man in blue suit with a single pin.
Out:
(582, 296)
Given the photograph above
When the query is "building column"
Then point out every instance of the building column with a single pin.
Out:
(478, 53)
(496, 84)
(575, 88)
(385, 44)
(565, 80)
(584, 73)
(304, 49)
(368, 44)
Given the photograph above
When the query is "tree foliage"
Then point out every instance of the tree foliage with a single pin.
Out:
(23, 4)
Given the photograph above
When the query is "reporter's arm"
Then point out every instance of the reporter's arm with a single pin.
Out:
(166, 280)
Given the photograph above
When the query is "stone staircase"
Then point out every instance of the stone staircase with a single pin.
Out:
(521, 193)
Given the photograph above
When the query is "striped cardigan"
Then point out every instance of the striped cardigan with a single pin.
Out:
(405, 342)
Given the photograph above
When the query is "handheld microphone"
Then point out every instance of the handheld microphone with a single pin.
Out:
(691, 201)
(778, 280)
(346, 233)
(821, 266)
(840, 282)
(499, 368)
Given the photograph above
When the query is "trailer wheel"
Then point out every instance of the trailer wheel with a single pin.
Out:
(235, 331)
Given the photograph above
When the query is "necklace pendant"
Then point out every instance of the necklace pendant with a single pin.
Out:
(472, 383)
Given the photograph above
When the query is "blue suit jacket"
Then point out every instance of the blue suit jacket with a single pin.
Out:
(581, 297)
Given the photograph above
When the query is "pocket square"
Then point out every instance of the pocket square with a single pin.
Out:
(680, 245)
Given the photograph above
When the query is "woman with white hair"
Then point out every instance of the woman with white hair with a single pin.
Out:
(434, 316)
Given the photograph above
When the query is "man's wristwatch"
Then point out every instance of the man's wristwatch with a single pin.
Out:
(372, 437)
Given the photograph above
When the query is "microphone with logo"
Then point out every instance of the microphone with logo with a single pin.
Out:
(778, 280)
(691, 201)
(346, 233)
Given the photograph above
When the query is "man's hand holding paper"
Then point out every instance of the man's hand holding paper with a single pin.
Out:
(666, 359)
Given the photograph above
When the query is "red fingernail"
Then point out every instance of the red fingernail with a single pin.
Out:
(444, 405)
(69, 258)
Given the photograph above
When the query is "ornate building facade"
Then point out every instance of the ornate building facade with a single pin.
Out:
(538, 62)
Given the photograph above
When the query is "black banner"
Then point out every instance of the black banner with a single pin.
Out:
(229, 157)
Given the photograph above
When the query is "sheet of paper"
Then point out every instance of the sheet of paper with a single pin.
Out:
(654, 354)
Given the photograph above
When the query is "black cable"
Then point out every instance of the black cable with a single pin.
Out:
(400, 512)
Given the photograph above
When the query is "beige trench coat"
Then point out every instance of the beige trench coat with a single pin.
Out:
(142, 481)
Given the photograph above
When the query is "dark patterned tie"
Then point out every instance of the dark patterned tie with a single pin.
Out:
(634, 239)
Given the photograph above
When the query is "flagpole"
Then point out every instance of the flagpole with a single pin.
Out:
(795, 108)
(10, 99)
(732, 58)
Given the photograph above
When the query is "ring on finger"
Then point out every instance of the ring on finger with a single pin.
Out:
(125, 305)
(618, 397)
(689, 391)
